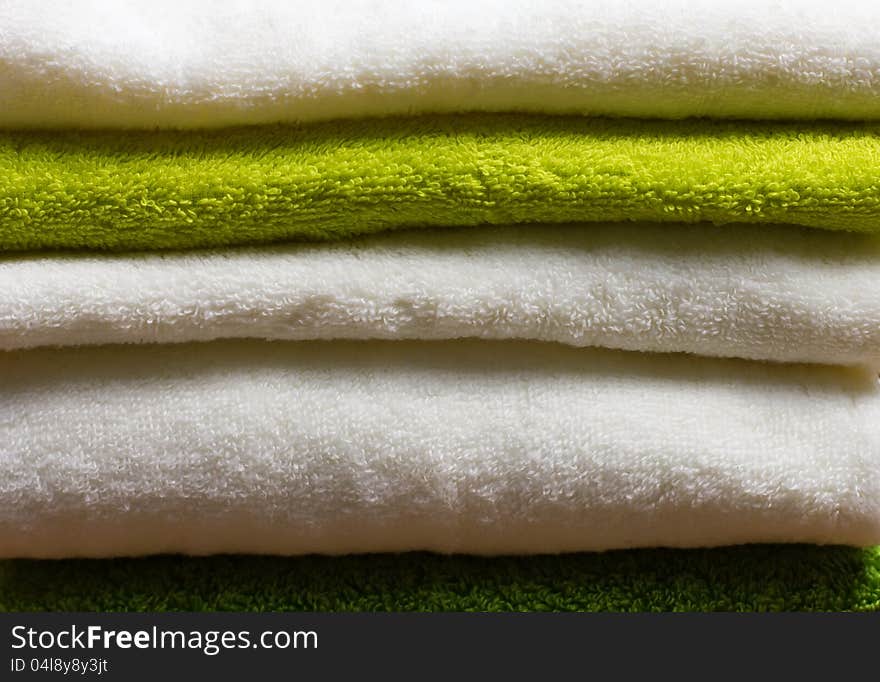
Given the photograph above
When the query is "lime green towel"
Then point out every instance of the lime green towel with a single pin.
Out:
(755, 578)
(150, 190)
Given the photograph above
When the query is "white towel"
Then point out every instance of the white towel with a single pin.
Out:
(189, 63)
(785, 294)
(468, 446)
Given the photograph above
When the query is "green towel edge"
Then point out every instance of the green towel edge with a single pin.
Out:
(134, 190)
(747, 578)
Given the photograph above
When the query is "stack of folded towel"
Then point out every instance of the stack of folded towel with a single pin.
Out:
(634, 304)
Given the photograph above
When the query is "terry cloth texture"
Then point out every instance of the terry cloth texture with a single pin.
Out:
(111, 190)
(755, 578)
(785, 294)
(199, 63)
(468, 447)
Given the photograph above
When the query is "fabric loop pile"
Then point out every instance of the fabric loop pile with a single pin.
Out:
(472, 277)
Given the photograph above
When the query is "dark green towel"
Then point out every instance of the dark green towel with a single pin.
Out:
(755, 578)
